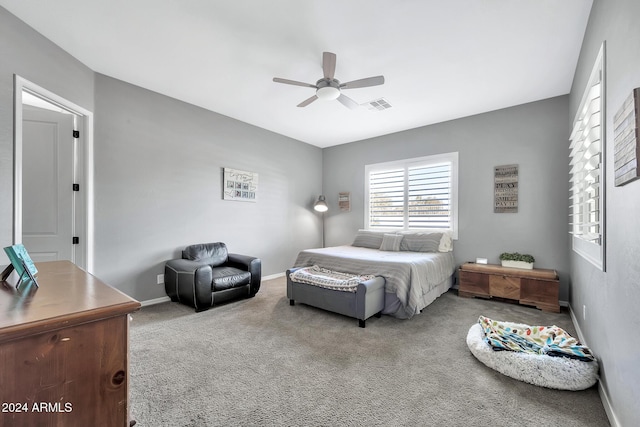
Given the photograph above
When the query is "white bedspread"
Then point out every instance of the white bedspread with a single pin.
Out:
(408, 275)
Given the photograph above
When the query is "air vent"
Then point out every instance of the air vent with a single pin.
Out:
(378, 104)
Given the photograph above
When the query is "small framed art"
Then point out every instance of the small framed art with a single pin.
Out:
(240, 185)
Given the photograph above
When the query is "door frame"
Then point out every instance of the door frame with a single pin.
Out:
(83, 115)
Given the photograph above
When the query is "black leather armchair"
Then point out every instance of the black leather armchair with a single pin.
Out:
(207, 274)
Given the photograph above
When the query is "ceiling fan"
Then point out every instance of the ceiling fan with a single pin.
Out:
(329, 87)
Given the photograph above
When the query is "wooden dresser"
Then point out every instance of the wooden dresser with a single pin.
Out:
(64, 350)
(537, 287)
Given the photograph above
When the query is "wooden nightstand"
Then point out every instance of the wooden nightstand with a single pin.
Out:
(537, 287)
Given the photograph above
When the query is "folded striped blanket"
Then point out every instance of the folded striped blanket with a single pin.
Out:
(547, 340)
(329, 279)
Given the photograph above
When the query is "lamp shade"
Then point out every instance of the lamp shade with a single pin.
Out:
(320, 205)
(328, 93)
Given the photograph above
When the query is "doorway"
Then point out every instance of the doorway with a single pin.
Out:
(53, 176)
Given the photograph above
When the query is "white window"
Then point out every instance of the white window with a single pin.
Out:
(587, 171)
(420, 193)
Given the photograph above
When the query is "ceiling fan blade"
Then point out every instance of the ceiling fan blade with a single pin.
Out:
(329, 64)
(293, 82)
(348, 102)
(369, 81)
(307, 101)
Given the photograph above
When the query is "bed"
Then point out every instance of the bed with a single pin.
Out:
(417, 267)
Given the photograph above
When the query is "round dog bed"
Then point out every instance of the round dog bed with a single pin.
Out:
(542, 370)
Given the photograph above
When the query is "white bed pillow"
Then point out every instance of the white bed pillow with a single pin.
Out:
(391, 242)
(446, 243)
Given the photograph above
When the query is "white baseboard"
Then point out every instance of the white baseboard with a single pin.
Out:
(273, 276)
(604, 397)
(574, 319)
(607, 406)
(155, 301)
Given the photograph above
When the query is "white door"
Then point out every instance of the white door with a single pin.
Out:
(47, 179)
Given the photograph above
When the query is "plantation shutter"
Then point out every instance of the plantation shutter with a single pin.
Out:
(587, 216)
(586, 167)
(411, 195)
(429, 204)
(387, 198)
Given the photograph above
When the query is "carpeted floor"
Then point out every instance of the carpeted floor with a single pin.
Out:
(261, 362)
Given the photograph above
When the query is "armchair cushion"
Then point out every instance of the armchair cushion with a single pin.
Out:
(213, 254)
(228, 277)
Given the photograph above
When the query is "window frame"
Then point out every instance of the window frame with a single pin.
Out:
(406, 164)
(592, 251)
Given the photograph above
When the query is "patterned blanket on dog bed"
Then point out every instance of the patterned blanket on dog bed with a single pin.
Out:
(315, 275)
(549, 340)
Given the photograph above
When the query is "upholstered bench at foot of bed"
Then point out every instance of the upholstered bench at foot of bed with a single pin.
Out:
(367, 301)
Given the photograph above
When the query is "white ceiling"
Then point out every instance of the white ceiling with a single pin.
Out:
(441, 59)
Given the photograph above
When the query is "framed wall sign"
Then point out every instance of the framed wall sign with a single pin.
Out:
(344, 201)
(505, 189)
(240, 185)
(626, 125)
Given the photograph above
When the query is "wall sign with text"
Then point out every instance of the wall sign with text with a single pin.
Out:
(626, 132)
(505, 189)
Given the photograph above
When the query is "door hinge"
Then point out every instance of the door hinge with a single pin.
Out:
(76, 187)
(76, 240)
(76, 134)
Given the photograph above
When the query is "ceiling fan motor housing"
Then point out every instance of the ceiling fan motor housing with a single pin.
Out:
(328, 89)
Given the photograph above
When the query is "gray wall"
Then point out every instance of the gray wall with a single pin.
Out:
(612, 298)
(158, 171)
(534, 136)
(158, 187)
(26, 53)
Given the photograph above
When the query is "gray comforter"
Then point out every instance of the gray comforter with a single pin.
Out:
(408, 275)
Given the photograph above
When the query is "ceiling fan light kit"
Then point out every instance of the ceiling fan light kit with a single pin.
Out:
(329, 88)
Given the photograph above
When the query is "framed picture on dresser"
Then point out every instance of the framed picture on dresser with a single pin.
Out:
(22, 264)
